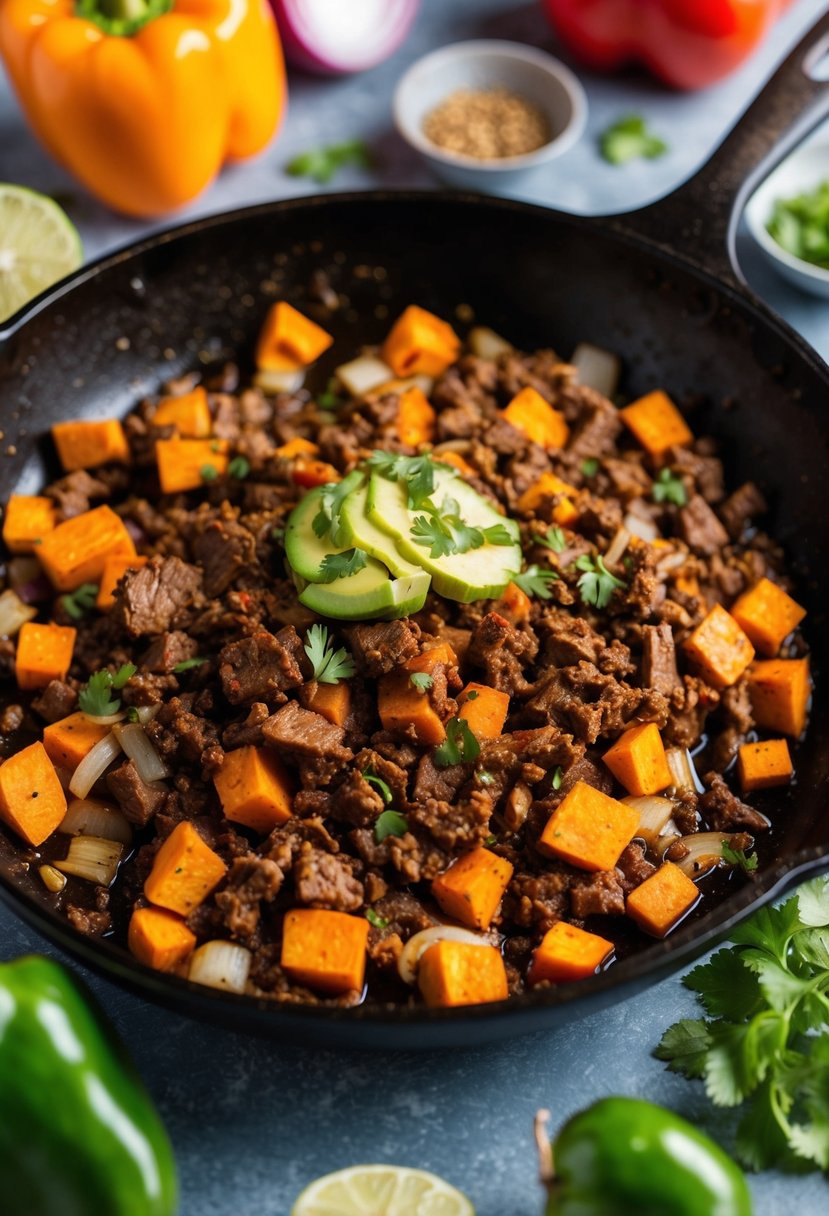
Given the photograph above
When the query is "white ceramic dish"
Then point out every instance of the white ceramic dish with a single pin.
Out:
(800, 172)
(483, 64)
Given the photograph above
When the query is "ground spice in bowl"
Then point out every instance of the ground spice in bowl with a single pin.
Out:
(487, 124)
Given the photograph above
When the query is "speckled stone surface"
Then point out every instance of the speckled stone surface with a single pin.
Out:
(252, 1122)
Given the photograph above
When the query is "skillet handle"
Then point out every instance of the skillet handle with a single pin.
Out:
(700, 219)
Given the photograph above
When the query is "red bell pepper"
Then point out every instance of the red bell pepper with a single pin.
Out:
(687, 43)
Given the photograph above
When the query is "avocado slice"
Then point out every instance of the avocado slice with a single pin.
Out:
(477, 574)
(368, 595)
(303, 548)
(363, 533)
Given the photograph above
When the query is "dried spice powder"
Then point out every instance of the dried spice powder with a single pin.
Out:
(488, 124)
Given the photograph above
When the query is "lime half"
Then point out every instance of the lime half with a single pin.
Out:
(39, 244)
(381, 1190)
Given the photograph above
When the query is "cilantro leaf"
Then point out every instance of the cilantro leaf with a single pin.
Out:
(379, 922)
(629, 139)
(332, 496)
(188, 665)
(596, 584)
(813, 903)
(390, 823)
(668, 488)
(421, 680)
(78, 602)
(725, 989)
(431, 532)
(459, 747)
(382, 787)
(320, 164)
(95, 697)
(684, 1047)
(590, 467)
(239, 467)
(445, 531)
(739, 857)
(330, 665)
(208, 472)
(498, 534)
(342, 565)
(554, 539)
(418, 472)
(558, 777)
(535, 581)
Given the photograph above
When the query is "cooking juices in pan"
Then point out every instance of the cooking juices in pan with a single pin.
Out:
(458, 677)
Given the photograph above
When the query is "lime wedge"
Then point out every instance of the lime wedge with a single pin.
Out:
(381, 1190)
(39, 244)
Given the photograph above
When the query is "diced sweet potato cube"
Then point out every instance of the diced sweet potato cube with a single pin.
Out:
(419, 342)
(661, 900)
(484, 709)
(416, 418)
(588, 829)
(159, 939)
(472, 888)
(297, 447)
(289, 340)
(68, 741)
(780, 690)
(325, 950)
(332, 701)
(428, 659)
(461, 973)
(637, 760)
(76, 551)
(767, 615)
(85, 445)
(403, 708)
(762, 765)
(115, 567)
(44, 653)
(719, 649)
(457, 462)
(515, 603)
(310, 473)
(656, 423)
(568, 953)
(550, 486)
(530, 413)
(29, 517)
(187, 464)
(184, 872)
(254, 789)
(32, 801)
(189, 414)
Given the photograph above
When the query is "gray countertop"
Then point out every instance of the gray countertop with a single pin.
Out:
(252, 1122)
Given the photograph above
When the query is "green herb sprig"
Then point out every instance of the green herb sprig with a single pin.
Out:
(554, 539)
(418, 472)
(535, 581)
(320, 164)
(669, 488)
(421, 680)
(390, 823)
(443, 530)
(77, 603)
(596, 583)
(629, 139)
(342, 565)
(459, 747)
(330, 665)
(96, 698)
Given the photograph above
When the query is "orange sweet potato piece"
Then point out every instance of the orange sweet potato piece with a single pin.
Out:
(550, 486)
(485, 712)
(416, 418)
(762, 765)
(77, 550)
(404, 709)
(780, 690)
(115, 567)
(325, 950)
(289, 340)
(460, 973)
(661, 900)
(159, 939)
(588, 829)
(767, 615)
(472, 888)
(297, 447)
(656, 423)
(184, 872)
(332, 701)
(568, 953)
(85, 445)
(72, 738)
(420, 342)
(32, 801)
(719, 649)
(254, 789)
(530, 413)
(29, 517)
(186, 464)
(188, 413)
(310, 473)
(457, 462)
(515, 603)
(637, 760)
(428, 659)
(44, 653)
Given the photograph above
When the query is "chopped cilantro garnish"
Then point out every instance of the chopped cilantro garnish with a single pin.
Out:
(382, 787)
(95, 697)
(590, 467)
(800, 225)
(535, 581)
(554, 539)
(460, 745)
(342, 565)
(78, 602)
(738, 857)
(418, 472)
(390, 823)
(596, 584)
(188, 664)
(320, 164)
(208, 472)
(379, 922)
(421, 680)
(668, 488)
(629, 139)
(239, 467)
(332, 497)
(443, 530)
(330, 665)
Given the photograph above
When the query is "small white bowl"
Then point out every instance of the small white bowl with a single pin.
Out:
(487, 64)
(799, 173)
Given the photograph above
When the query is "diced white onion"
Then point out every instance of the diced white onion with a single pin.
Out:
(87, 817)
(287, 381)
(94, 765)
(23, 570)
(14, 613)
(220, 964)
(52, 879)
(105, 719)
(418, 945)
(682, 770)
(486, 344)
(704, 852)
(146, 713)
(670, 561)
(134, 741)
(359, 376)
(597, 368)
(517, 806)
(617, 547)
(654, 813)
(639, 526)
(92, 858)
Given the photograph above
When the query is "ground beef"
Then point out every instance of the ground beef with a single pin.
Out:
(74, 493)
(700, 528)
(88, 921)
(251, 882)
(167, 651)
(723, 811)
(600, 894)
(634, 866)
(502, 651)
(151, 600)
(302, 734)
(590, 705)
(261, 667)
(324, 881)
(741, 508)
(735, 719)
(598, 426)
(11, 719)
(58, 700)
(222, 550)
(379, 648)
(137, 799)
(659, 669)
(537, 901)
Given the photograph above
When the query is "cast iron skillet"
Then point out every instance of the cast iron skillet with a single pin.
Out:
(658, 286)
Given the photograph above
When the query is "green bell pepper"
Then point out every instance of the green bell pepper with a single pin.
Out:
(626, 1157)
(79, 1135)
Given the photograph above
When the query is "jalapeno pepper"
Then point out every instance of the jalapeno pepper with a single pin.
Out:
(626, 1157)
(78, 1132)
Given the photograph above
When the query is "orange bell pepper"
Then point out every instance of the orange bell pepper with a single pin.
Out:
(143, 100)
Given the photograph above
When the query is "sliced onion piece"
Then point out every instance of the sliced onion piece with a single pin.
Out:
(13, 613)
(418, 945)
(617, 547)
(287, 381)
(88, 817)
(486, 344)
(639, 525)
(336, 38)
(704, 852)
(146, 713)
(682, 770)
(220, 964)
(92, 858)
(94, 765)
(597, 368)
(361, 375)
(654, 814)
(105, 719)
(134, 741)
